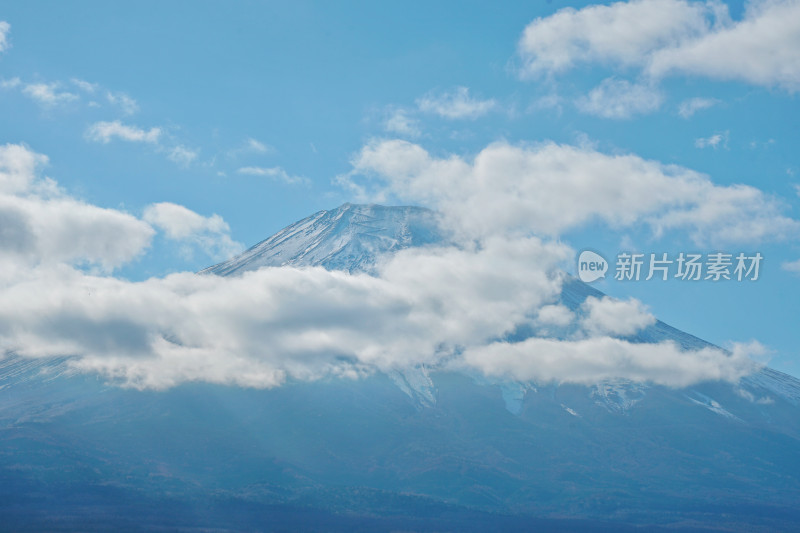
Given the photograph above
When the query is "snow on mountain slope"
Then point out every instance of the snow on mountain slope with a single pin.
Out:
(346, 238)
(417, 384)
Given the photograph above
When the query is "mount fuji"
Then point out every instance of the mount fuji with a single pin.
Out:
(422, 449)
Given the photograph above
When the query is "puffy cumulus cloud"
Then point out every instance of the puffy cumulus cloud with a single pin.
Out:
(763, 49)
(5, 29)
(591, 360)
(608, 316)
(456, 104)
(18, 168)
(39, 223)
(667, 37)
(620, 99)
(447, 306)
(549, 189)
(104, 132)
(555, 315)
(210, 234)
(624, 33)
(274, 323)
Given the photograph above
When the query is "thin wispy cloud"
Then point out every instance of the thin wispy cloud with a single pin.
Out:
(688, 108)
(455, 104)
(251, 147)
(400, 122)
(276, 173)
(105, 132)
(791, 266)
(56, 93)
(257, 146)
(128, 105)
(182, 155)
(717, 140)
(5, 29)
(48, 94)
(85, 86)
(620, 99)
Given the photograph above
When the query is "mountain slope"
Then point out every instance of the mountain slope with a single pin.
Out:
(347, 238)
(419, 450)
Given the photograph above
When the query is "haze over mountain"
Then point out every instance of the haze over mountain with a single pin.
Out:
(425, 447)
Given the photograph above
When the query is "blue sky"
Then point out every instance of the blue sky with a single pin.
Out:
(253, 115)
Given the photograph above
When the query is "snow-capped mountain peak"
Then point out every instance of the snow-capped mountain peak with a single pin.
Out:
(349, 238)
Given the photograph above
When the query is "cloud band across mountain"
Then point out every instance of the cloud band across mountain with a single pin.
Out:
(449, 305)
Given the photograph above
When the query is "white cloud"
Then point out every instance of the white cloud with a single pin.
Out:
(551, 101)
(257, 146)
(84, 85)
(48, 94)
(589, 361)
(260, 328)
(210, 234)
(105, 132)
(441, 306)
(555, 315)
(5, 29)
(18, 168)
(128, 105)
(182, 155)
(549, 189)
(791, 266)
(620, 99)
(608, 316)
(251, 146)
(763, 49)
(622, 33)
(40, 224)
(714, 141)
(456, 104)
(689, 107)
(179, 222)
(275, 173)
(438, 306)
(52, 94)
(402, 123)
(12, 83)
(671, 37)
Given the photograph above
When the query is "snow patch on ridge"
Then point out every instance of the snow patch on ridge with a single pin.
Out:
(618, 396)
(417, 384)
